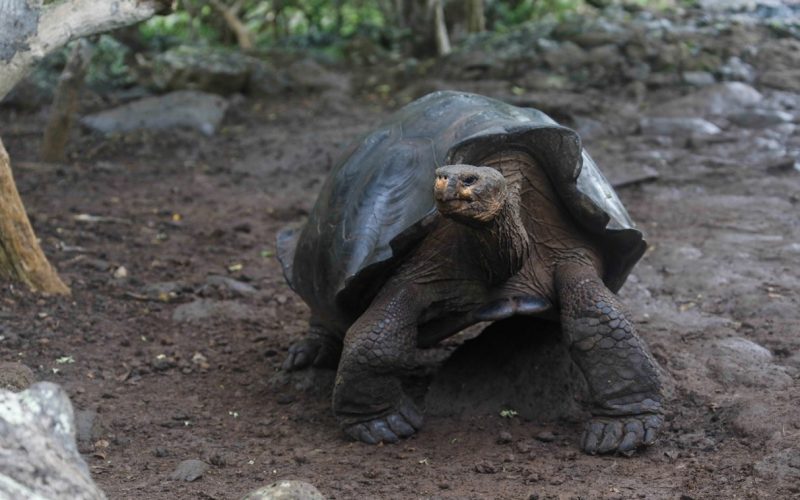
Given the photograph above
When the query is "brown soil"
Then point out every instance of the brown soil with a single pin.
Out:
(177, 208)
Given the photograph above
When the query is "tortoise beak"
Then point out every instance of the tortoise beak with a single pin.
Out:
(445, 188)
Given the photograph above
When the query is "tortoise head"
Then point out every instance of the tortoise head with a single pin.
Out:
(469, 194)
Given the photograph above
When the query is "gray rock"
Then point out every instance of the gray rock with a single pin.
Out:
(88, 427)
(237, 287)
(783, 79)
(203, 309)
(698, 78)
(266, 81)
(781, 466)
(306, 75)
(564, 55)
(544, 80)
(608, 56)
(189, 470)
(207, 69)
(39, 456)
(15, 376)
(735, 69)
(760, 118)
(738, 361)
(754, 419)
(165, 291)
(191, 109)
(726, 5)
(680, 127)
(600, 32)
(286, 490)
(720, 99)
(545, 437)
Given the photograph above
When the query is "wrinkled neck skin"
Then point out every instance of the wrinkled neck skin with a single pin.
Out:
(502, 243)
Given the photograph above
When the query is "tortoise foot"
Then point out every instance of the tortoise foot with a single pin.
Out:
(623, 435)
(312, 351)
(390, 428)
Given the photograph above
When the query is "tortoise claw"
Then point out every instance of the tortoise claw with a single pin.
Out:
(311, 351)
(399, 424)
(623, 435)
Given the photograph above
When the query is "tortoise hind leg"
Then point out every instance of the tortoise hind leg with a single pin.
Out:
(368, 399)
(321, 347)
(622, 374)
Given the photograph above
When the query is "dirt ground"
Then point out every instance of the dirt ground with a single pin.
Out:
(173, 362)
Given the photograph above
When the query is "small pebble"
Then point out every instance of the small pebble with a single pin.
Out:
(504, 437)
(15, 376)
(523, 447)
(546, 437)
(485, 468)
(189, 470)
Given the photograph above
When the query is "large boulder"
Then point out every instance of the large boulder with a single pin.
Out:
(201, 68)
(186, 108)
(38, 454)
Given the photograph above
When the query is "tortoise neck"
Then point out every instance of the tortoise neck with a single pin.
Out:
(502, 242)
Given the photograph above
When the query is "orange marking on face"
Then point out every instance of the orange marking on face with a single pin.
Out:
(441, 183)
(465, 193)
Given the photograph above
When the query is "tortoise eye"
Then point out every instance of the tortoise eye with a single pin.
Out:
(469, 180)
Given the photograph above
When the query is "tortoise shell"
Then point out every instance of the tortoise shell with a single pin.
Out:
(378, 200)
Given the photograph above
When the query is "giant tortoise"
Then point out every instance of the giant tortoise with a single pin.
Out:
(459, 209)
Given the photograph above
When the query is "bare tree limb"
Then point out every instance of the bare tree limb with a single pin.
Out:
(29, 30)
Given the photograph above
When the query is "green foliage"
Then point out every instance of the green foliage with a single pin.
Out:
(509, 14)
(322, 24)
(108, 66)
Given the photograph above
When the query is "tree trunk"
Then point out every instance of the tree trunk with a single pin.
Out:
(21, 257)
(231, 15)
(440, 28)
(476, 20)
(65, 103)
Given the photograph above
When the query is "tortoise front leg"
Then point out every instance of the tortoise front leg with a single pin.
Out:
(368, 399)
(622, 374)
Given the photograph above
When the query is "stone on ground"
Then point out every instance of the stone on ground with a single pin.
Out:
(286, 490)
(736, 361)
(39, 457)
(181, 109)
(15, 376)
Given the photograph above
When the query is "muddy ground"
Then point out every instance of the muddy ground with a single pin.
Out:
(170, 362)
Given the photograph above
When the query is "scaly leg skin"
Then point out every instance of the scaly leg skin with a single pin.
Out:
(320, 347)
(622, 374)
(368, 399)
